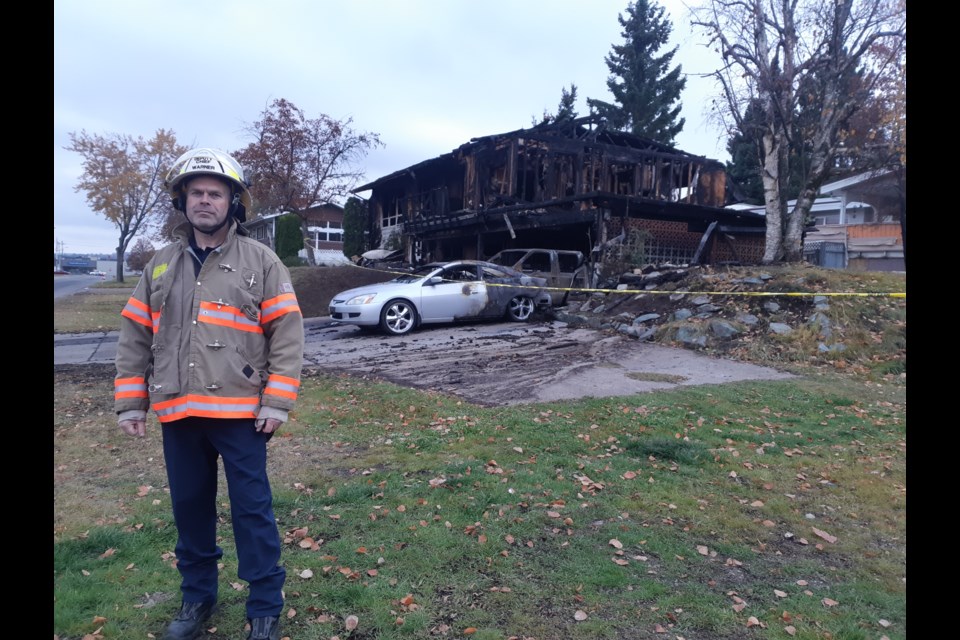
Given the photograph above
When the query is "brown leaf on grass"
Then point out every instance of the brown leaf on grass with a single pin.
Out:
(615, 543)
(351, 623)
(740, 606)
(291, 613)
(143, 490)
(407, 600)
(779, 594)
(752, 621)
(372, 573)
(629, 475)
(580, 615)
(703, 550)
(306, 574)
(99, 620)
(790, 629)
(108, 553)
(361, 549)
(827, 602)
(509, 538)
(481, 539)
(469, 631)
(237, 586)
(823, 534)
(658, 628)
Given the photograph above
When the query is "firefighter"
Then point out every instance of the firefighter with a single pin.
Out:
(212, 341)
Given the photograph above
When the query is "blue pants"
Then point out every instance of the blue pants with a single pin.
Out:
(191, 447)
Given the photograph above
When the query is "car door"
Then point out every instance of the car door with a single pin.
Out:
(459, 295)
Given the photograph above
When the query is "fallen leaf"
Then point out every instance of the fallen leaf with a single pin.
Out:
(790, 629)
(703, 550)
(753, 622)
(99, 620)
(883, 623)
(740, 606)
(469, 630)
(827, 602)
(780, 594)
(108, 553)
(291, 613)
(351, 622)
(306, 574)
(580, 614)
(615, 543)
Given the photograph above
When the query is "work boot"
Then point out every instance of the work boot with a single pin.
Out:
(188, 624)
(265, 628)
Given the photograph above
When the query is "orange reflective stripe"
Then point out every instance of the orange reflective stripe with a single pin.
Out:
(282, 386)
(226, 316)
(139, 313)
(130, 388)
(281, 305)
(205, 406)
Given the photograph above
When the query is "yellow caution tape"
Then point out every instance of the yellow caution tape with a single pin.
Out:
(795, 294)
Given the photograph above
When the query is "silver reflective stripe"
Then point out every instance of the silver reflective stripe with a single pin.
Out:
(230, 317)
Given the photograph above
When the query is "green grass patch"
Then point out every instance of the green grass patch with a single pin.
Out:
(658, 511)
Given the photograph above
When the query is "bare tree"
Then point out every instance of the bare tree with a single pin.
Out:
(123, 179)
(140, 254)
(296, 162)
(778, 51)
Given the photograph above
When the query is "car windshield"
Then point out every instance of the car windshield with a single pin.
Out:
(417, 274)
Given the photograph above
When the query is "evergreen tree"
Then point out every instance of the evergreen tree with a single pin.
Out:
(289, 239)
(354, 224)
(566, 110)
(646, 92)
(746, 148)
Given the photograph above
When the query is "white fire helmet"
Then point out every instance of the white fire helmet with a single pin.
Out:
(213, 162)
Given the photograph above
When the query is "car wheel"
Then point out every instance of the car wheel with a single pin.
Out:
(398, 317)
(520, 308)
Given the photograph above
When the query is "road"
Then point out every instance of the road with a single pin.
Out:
(66, 285)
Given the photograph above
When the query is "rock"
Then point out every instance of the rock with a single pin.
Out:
(780, 328)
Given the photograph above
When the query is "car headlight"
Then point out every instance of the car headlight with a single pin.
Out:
(366, 298)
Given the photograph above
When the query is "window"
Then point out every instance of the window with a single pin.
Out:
(327, 232)
(391, 216)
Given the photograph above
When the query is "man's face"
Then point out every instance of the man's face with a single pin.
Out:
(208, 202)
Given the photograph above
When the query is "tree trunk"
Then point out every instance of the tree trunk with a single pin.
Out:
(120, 254)
(774, 145)
(307, 240)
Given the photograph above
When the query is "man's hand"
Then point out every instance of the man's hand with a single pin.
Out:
(268, 425)
(134, 427)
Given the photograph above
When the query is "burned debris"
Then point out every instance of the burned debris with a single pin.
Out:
(572, 185)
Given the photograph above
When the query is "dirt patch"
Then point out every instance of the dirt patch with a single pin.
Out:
(499, 364)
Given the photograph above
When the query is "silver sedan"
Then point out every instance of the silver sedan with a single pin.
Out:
(442, 292)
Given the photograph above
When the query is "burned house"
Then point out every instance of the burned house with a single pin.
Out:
(567, 185)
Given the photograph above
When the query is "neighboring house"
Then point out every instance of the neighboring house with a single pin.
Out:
(856, 223)
(572, 185)
(324, 224)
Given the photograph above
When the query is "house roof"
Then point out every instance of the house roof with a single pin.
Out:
(855, 180)
(590, 129)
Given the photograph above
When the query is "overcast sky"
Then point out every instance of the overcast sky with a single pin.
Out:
(426, 75)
